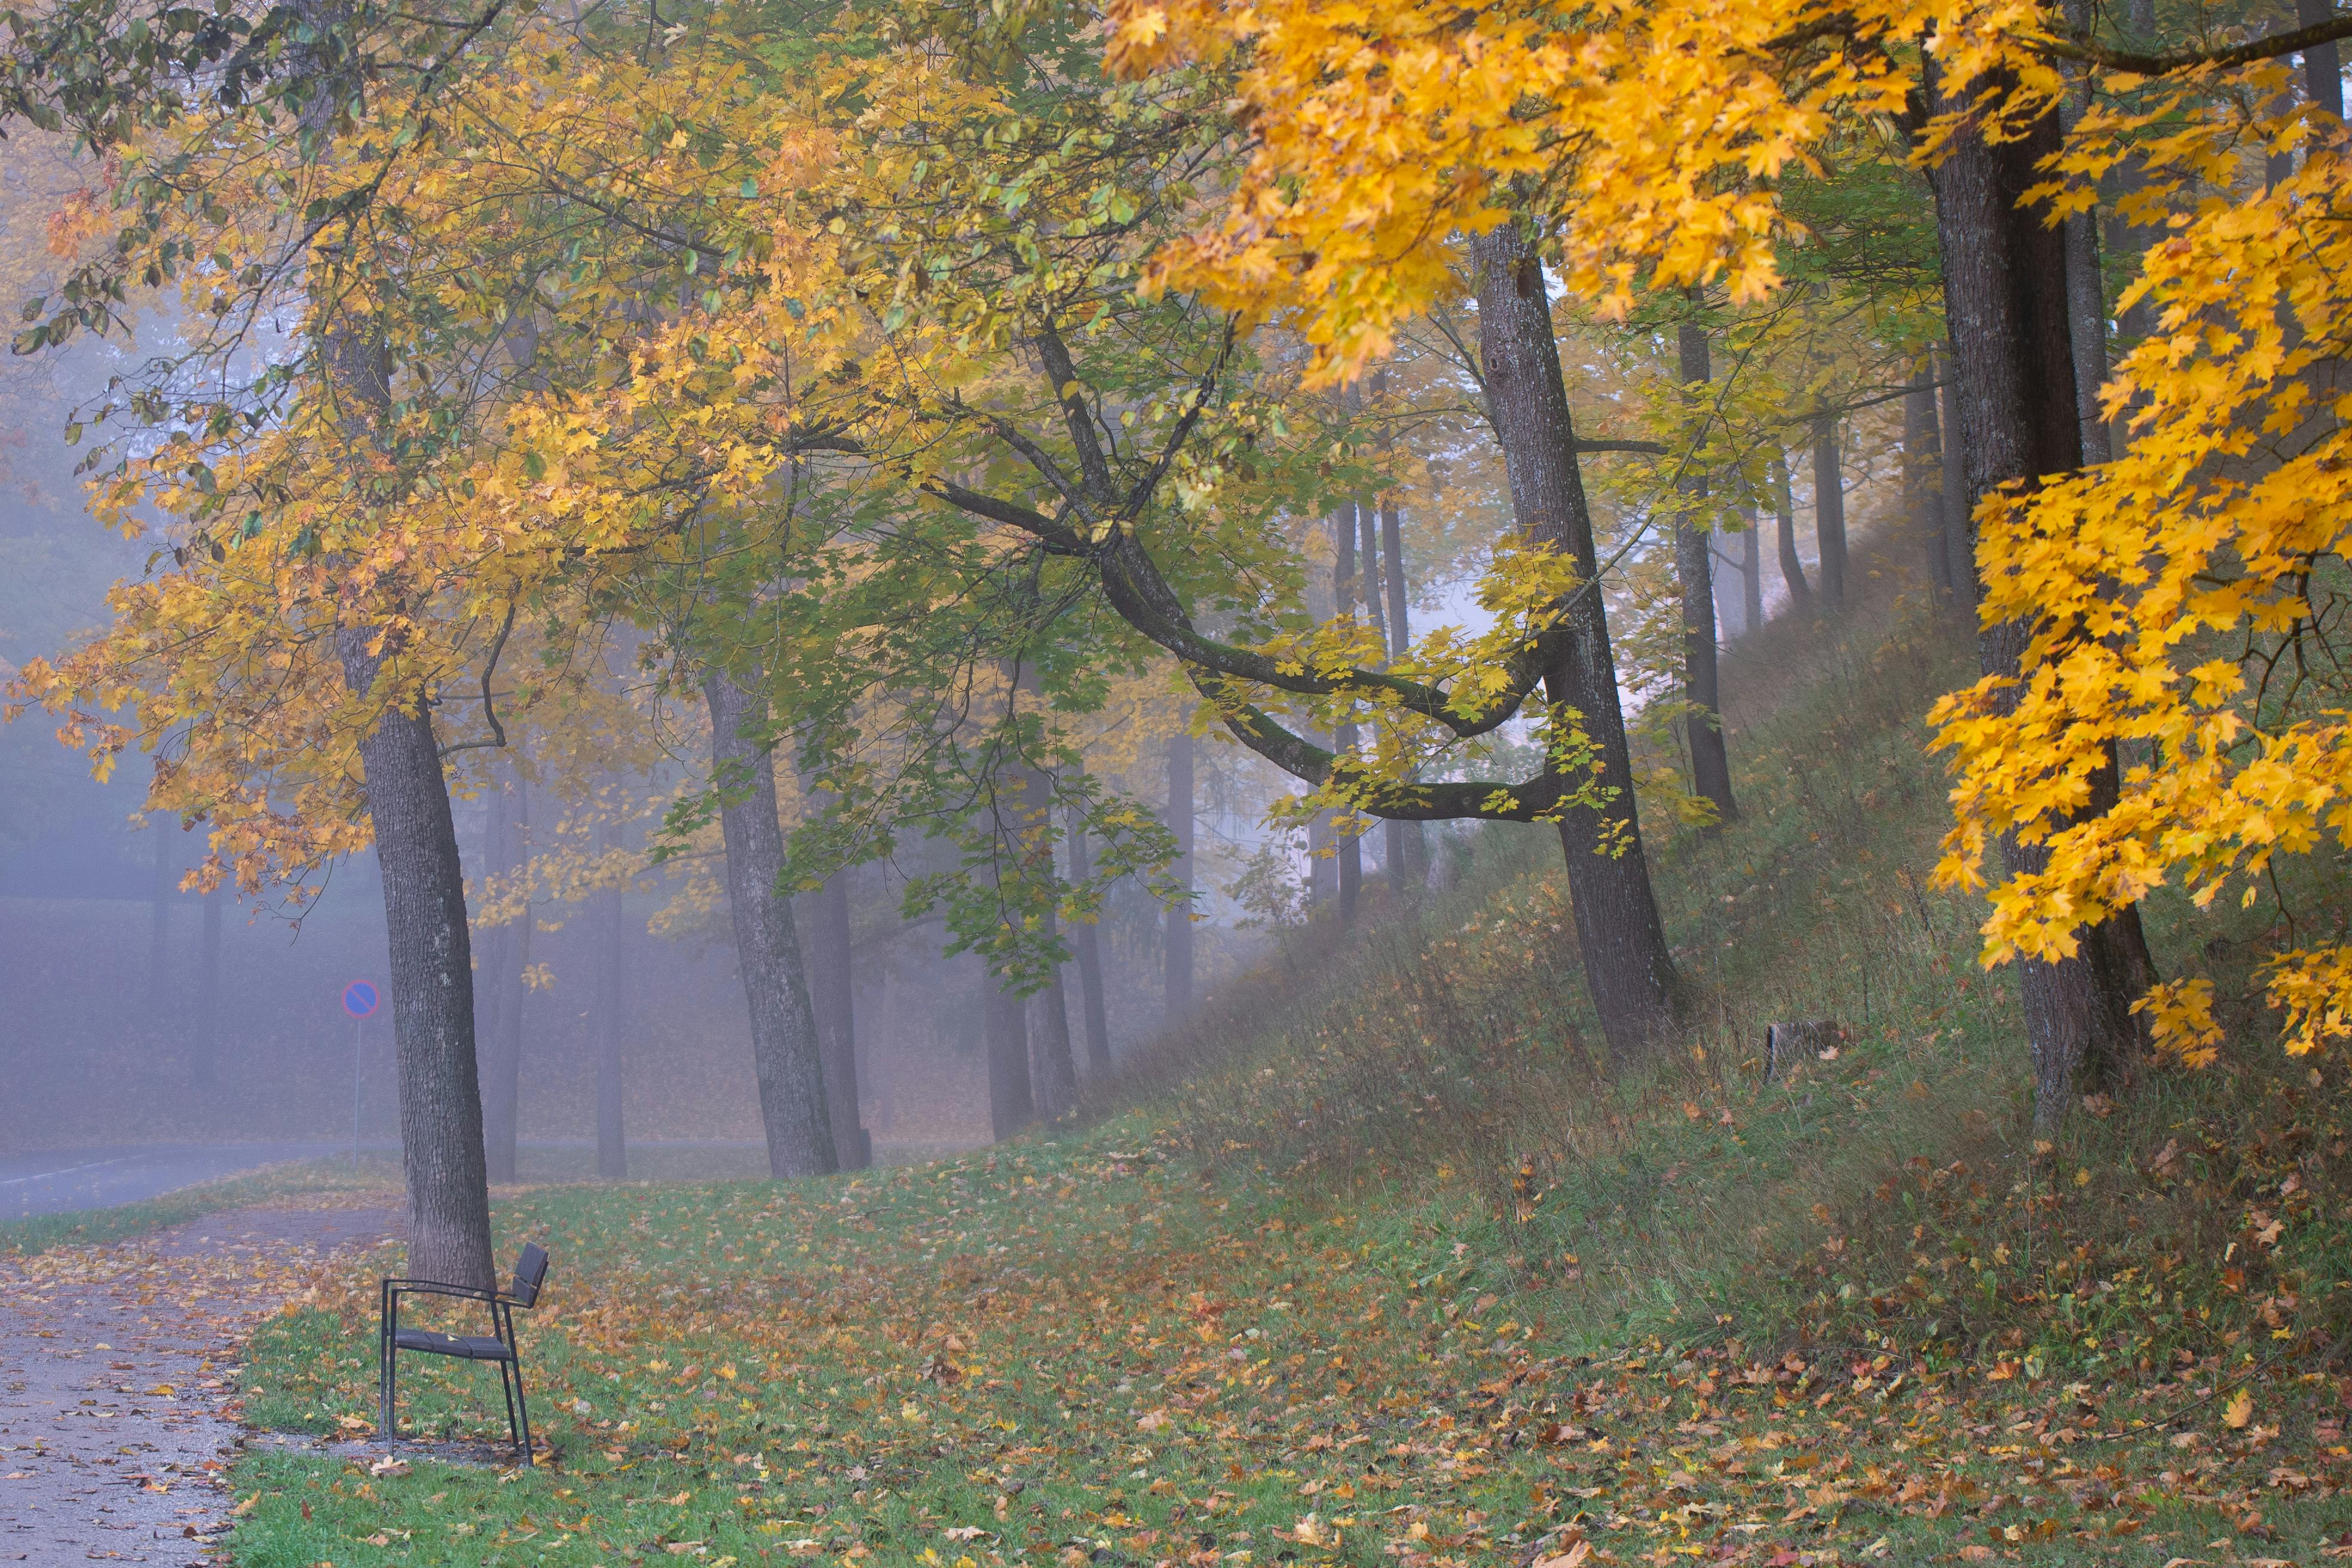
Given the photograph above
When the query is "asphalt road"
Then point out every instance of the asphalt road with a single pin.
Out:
(60, 1179)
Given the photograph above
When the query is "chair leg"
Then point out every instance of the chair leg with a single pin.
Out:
(391, 1398)
(506, 1386)
(524, 1406)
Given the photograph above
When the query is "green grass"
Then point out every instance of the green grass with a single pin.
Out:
(1388, 1271)
(90, 1227)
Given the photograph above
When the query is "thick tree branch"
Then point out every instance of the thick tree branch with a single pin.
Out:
(2264, 48)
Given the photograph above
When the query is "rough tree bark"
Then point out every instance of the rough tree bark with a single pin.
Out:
(1829, 510)
(1085, 942)
(1784, 514)
(2014, 364)
(1178, 947)
(612, 1033)
(1694, 573)
(502, 1072)
(786, 1055)
(1627, 964)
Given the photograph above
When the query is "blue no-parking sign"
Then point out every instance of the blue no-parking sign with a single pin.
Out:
(359, 998)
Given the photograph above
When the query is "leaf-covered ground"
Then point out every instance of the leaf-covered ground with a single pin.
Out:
(1082, 1351)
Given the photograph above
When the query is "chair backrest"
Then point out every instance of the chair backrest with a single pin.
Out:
(531, 1273)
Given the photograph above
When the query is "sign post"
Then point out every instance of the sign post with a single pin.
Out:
(360, 1000)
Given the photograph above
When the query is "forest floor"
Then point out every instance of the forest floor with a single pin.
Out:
(1078, 1352)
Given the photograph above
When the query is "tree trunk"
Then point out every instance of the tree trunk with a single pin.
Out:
(2020, 422)
(786, 1053)
(832, 992)
(1344, 585)
(1053, 1066)
(1087, 941)
(1408, 844)
(612, 1033)
(1322, 864)
(2323, 64)
(1178, 948)
(431, 983)
(1011, 1105)
(1627, 964)
(206, 1067)
(1784, 513)
(2087, 291)
(1923, 477)
(502, 1076)
(159, 925)
(1695, 572)
(1751, 576)
(1829, 510)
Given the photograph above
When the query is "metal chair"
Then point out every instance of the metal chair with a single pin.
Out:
(531, 1273)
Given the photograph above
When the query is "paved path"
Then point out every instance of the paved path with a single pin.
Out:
(61, 1179)
(116, 1369)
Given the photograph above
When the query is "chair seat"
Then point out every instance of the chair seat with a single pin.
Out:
(472, 1348)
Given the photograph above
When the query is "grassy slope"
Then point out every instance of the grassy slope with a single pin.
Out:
(1385, 1270)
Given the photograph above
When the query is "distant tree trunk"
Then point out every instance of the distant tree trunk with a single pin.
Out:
(1322, 864)
(502, 1079)
(159, 924)
(1053, 1066)
(2020, 416)
(1346, 590)
(832, 992)
(1627, 963)
(1784, 513)
(1829, 508)
(612, 1033)
(206, 1070)
(1695, 572)
(2087, 291)
(1087, 941)
(786, 1054)
(1959, 530)
(1012, 1104)
(1178, 947)
(1923, 477)
(1752, 574)
(2323, 64)
(1408, 843)
(432, 982)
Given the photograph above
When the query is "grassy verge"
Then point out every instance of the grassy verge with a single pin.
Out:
(90, 1227)
(1389, 1272)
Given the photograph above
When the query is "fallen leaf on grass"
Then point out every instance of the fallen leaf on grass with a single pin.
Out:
(2239, 1411)
(1572, 1558)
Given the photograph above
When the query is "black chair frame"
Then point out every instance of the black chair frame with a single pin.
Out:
(501, 1347)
